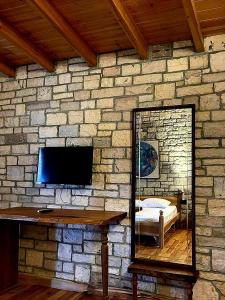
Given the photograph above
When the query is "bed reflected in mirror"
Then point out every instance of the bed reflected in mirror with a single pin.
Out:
(163, 181)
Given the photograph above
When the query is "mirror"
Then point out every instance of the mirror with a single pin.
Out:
(163, 185)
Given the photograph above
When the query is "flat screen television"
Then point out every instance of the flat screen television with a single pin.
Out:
(65, 165)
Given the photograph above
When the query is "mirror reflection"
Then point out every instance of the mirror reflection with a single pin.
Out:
(163, 184)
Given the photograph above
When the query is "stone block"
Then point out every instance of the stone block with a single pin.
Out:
(64, 78)
(164, 91)
(34, 258)
(213, 77)
(75, 117)
(195, 90)
(63, 196)
(216, 60)
(107, 60)
(91, 82)
(44, 93)
(56, 119)
(16, 138)
(158, 66)
(121, 138)
(83, 258)
(178, 64)
(123, 81)
(204, 290)
(20, 109)
(193, 77)
(126, 103)
(72, 236)
(107, 82)
(199, 61)
(68, 267)
(122, 250)
(65, 252)
(15, 173)
(53, 265)
(111, 116)
(107, 92)
(82, 273)
(183, 52)
(88, 130)
(51, 80)
(112, 71)
(150, 78)
(35, 82)
(177, 76)
(37, 117)
(210, 102)
(34, 232)
(139, 89)
(219, 86)
(20, 149)
(117, 205)
(214, 129)
(92, 116)
(68, 131)
(48, 132)
(46, 246)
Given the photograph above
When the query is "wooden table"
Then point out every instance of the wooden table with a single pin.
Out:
(9, 233)
(188, 277)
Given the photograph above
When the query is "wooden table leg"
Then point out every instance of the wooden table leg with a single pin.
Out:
(134, 286)
(104, 256)
(189, 291)
(9, 237)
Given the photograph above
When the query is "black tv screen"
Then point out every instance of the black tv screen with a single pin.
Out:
(65, 165)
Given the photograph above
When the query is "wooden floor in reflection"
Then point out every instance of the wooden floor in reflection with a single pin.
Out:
(177, 248)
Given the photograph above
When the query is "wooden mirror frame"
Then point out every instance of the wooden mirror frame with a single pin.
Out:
(158, 262)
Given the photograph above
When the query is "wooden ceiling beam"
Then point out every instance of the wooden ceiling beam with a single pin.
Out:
(191, 15)
(11, 34)
(130, 28)
(6, 69)
(60, 23)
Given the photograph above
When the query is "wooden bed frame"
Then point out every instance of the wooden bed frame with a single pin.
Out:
(159, 229)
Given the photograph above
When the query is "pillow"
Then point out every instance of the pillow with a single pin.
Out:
(138, 203)
(155, 202)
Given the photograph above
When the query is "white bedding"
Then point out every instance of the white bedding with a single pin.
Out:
(152, 214)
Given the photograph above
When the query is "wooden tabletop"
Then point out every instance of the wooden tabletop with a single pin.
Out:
(62, 216)
(163, 272)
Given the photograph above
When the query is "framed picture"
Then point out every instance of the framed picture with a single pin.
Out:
(147, 163)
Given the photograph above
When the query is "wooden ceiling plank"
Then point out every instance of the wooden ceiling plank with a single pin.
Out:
(130, 28)
(60, 23)
(20, 41)
(191, 15)
(6, 69)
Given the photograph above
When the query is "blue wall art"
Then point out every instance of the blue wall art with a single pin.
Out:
(148, 164)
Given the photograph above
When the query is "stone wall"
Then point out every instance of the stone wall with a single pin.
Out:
(92, 106)
(173, 131)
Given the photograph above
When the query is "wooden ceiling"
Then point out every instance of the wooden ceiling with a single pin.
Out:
(44, 31)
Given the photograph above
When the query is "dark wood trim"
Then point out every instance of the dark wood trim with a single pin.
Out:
(9, 232)
(62, 216)
(129, 27)
(104, 263)
(49, 11)
(7, 69)
(193, 190)
(157, 262)
(192, 19)
(18, 39)
(133, 187)
(188, 278)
